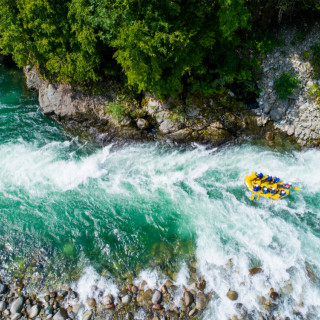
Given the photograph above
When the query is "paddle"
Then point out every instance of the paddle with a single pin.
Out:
(258, 196)
(252, 197)
(295, 188)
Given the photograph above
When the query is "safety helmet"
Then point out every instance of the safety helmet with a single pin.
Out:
(282, 193)
(272, 190)
(265, 189)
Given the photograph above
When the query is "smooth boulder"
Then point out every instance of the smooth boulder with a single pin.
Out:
(17, 305)
(34, 311)
(188, 298)
(156, 297)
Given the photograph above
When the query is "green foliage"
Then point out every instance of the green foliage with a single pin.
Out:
(117, 109)
(314, 93)
(285, 85)
(306, 55)
(165, 47)
(315, 60)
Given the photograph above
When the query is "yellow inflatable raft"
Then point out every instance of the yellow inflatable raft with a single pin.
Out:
(266, 186)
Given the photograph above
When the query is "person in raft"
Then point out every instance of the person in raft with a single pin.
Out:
(273, 189)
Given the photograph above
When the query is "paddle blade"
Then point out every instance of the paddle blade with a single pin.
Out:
(252, 197)
(295, 188)
(258, 197)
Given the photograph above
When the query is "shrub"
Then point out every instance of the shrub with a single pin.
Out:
(315, 60)
(314, 93)
(285, 85)
(117, 110)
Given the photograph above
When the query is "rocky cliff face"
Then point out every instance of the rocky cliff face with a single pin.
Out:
(158, 119)
(299, 114)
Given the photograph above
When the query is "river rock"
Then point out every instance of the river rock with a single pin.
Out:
(164, 289)
(274, 295)
(201, 285)
(87, 315)
(201, 301)
(169, 283)
(3, 306)
(62, 314)
(126, 299)
(156, 307)
(232, 295)
(168, 126)
(142, 124)
(16, 316)
(110, 306)
(156, 297)
(91, 302)
(34, 311)
(256, 270)
(188, 298)
(3, 288)
(17, 305)
(107, 299)
(193, 312)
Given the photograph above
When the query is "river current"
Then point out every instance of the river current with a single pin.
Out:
(74, 212)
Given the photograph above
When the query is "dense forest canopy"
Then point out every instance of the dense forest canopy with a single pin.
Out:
(161, 46)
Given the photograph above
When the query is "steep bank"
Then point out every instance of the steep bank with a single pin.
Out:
(296, 117)
(203, 120)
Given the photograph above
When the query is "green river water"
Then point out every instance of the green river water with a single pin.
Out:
(71, 211)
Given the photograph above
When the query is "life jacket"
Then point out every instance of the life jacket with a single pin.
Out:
(283, 193)
(256, 187)
(272, 190)
(275, 180)
(259, 175)
(269, 178)
(265, 189)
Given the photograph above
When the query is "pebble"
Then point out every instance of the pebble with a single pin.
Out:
(201, 301)
(188, 298)
(87, 315)
(232, 295)
(34, 311)
(256, 270)
(91, 302)
(17, 305)
(61, 314)
(126, 299)
(107, 299)
(3, 288)
(16, 316)
(156, 297)
(156, 307)
(3, 305)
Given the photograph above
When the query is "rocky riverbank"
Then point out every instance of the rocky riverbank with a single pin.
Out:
(204, 120)
(136, 300)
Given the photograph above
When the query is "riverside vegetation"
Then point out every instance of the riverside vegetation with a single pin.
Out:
(199, 63)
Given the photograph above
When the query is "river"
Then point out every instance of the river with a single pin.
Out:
(74, 212)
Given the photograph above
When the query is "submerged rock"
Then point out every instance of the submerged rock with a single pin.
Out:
(201, 301)
(256, 270)
(126, 299)
(91, 302)
(87, 315)
(232, 295)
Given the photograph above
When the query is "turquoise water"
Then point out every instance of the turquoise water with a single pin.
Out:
(70, 209)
